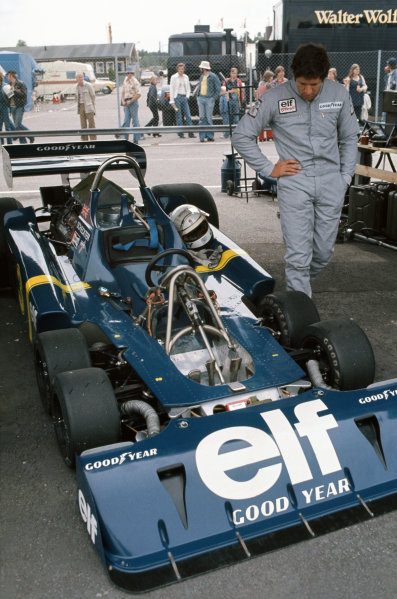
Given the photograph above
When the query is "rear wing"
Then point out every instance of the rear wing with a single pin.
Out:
(23, 160)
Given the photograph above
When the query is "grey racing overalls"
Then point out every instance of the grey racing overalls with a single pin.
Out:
(322, 135)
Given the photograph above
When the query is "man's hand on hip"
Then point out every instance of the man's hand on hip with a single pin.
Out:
(285, 167)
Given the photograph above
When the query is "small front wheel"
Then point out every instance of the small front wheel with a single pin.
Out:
(55, 352)
(287, 314)
(84, 412)
(343, 351)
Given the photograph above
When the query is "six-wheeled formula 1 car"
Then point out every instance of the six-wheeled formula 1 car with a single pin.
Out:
(209, 418)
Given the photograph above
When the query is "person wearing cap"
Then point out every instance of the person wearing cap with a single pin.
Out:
(208, 90)
(130, 94)
(315, 132)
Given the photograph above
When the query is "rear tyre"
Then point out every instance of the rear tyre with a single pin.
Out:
(6, 205)
(287, 314)
(55, 352)
(84, 411)
(171, 196)
(343, 351)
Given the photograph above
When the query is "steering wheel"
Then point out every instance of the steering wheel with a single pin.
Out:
(153, 266)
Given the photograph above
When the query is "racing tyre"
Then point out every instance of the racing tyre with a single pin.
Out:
(343, 351)
(6, 205)
(55, 352)
(84, 412)
(171, 196)
(287, 314)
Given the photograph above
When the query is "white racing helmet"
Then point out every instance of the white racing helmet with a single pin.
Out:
(192, 225)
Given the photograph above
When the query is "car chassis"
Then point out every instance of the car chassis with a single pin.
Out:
(209, 418)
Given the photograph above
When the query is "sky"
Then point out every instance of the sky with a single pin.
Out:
(147, 23)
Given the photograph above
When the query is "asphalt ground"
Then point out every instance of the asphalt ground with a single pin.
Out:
(45, 550)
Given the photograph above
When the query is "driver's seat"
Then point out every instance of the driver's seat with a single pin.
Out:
(133, 243)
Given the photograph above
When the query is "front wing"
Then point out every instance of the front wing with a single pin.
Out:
(207, 492)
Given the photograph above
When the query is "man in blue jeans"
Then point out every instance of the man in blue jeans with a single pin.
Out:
(209, 89)
(130, 94)
(17, 103)
(179, 96)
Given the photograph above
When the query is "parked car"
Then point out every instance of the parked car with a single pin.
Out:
(104, 86)
(146, 76)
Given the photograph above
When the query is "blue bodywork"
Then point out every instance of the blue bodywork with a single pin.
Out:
(206, 491)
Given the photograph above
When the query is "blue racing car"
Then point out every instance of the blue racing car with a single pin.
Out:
(209, 418)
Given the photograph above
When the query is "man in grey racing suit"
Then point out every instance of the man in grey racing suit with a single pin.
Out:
(315, 131)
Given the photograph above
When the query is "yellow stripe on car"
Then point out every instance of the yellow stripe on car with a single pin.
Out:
(226, 257)
(49, 280)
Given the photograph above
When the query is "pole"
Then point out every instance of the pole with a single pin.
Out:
(378, 84)
(118, 91)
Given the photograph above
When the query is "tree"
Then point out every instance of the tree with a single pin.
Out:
(21, 43)
(111, 74)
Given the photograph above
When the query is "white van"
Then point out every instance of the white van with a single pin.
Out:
(60, 78)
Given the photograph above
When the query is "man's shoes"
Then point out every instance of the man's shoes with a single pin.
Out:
(181, 135)
(31, 139)
(210, 139)
(157, 135)
(202, 139)
(192, 135)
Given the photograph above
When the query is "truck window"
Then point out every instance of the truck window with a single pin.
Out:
(176, 48)
(216, 47)
(196, 47)
(70, 74)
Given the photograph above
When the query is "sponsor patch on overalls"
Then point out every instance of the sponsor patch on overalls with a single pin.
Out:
(330, 105)
(285, 106)
(254, 109)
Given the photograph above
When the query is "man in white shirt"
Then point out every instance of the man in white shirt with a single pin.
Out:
(179, 96)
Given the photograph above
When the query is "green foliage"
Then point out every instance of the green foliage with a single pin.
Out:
(21, 43)
(148, 59)
(111, 74)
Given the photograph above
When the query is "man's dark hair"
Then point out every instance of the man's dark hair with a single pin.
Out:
(310, 61)
(12, 72)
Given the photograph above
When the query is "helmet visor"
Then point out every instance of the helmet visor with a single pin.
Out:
(197, 233)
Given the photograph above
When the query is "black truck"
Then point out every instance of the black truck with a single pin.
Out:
(340, 25)
(220, 48)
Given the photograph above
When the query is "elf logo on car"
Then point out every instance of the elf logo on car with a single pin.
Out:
(88, 517)
(214, 459)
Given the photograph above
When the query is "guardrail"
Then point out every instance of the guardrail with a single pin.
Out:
(121, 132)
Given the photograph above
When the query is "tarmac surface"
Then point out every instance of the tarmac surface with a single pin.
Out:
(45, 550)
